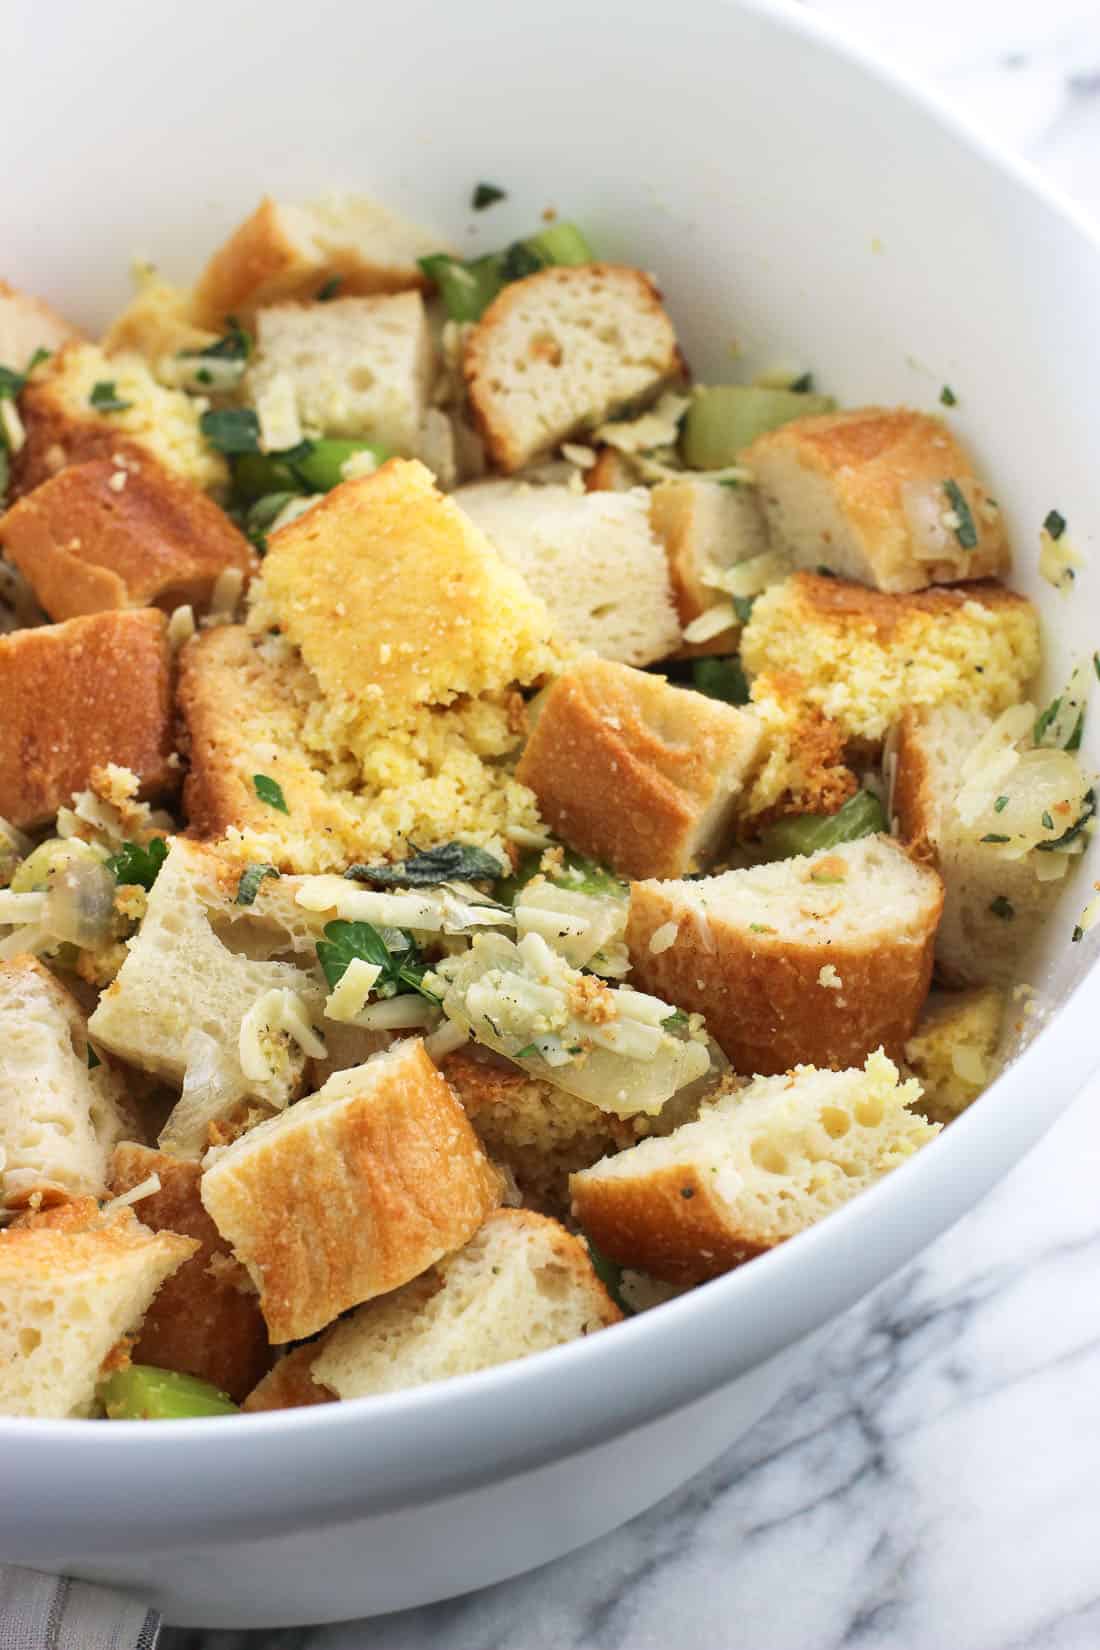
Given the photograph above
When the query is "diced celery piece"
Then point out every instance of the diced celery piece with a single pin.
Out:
(721, 679)
(313, 467)
(141, 1392)
(255, 475)
(862, 815)
(724, 418)
(562, 243)
(322, 467)
(581, 875)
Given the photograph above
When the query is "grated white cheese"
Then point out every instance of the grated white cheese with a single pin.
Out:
(12, 426)
(277, 411)
(144, 1188)
(710, 623)
(226, 594)
(348, 998)
(662, 937)
(279, 1014)
(829, 978)
(181, 626)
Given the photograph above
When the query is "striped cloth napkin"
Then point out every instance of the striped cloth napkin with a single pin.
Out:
(40, 1612)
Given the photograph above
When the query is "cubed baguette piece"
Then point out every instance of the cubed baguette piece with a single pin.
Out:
(353, 367)
(28, 324)
(705, 529)
(820, 958)
(640, 775)
(953, 1052)
(756, 1168)
(70, 1288)
(592, 557)
(998, 888)
(97, 537)
(351, 1192)
(611, 473)
(290, 1385)
(522, 1285)
(78, 696)
(206, 1320)
(283, 251)
(427, 609)
(158, 423)
(541, 1133)
(873, 494)
(58, 1118)
(182, 981)
(862, 656)
(563, 350)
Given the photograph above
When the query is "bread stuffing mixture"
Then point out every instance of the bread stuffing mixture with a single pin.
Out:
(495, 832)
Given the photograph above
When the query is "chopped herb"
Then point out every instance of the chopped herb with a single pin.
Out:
(687, 1192)
(1048, 823)
(326, 293)
(965, 532)
(743, 606)
(13, 383)
(1077, 935)
(235, 344)
(610, 1274)
(521, 260)
(1002, 908)
(525, 1053)
(1073, 743)
(721, 679)
(487, 194)
(5, 466)
(105, 398)
(676, 1018)
(263, 515)
(1096, 665)
(991, 836)
(270, 791)
(824, 572)
(803, 384)
(93, 1058)
(138, 863)
(1075, 829)
(231, 429)
(760, 928)
(577, 1050)
(948, 398)
(1054, 523)
(1000, 805)
(344, 942)
(450, 862)
(249, 885)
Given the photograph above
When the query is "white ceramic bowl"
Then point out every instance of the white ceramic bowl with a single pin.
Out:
(790, 194)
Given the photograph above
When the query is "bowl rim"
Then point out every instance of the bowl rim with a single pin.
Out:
(614, 1383)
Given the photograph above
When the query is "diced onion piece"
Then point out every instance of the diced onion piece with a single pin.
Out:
(398, 1013)
(11, 424)
(80, 904)
(660, 427)
(662, 937)
(749, 577)
(924, 505)
(444, 1040)
(211, 1088)
(640, 1006)
(20, 908)
(1042, 785)
(31, 938)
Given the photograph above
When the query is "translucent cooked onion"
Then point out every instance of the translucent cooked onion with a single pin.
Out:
(1038, 801)
(80, 904)
(211, 1088)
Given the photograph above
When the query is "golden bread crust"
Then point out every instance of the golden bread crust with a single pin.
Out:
(328, 1209)
(666, 1223)
(667, 755)
(201, 1322)
(86, 544)
(290, 1385)
(77, 696)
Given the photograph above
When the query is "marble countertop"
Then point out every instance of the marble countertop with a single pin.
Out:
(937, 1486)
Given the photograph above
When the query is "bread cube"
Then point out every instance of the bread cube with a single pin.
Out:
(640, 775)
(157, 423)
(540, 1133)
(58, 1118)
(593, 558)
(756, 1168)
(290, 1384)
(97, 537)
(821, 958)
(999, 883)
(283, 251)
(71, 1286)
(189, 970)
(397, 600)
(861, 657)
(802, 768)
(28, 324)
(77, 696)
(705, 528)
(563, 350)
(158, 324)
(351, 1192)
(521, 1285)
(874, 495)
(355, 367)
(205, 1320)
(953, 1052)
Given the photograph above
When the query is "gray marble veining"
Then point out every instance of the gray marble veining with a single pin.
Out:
(935, 1485)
